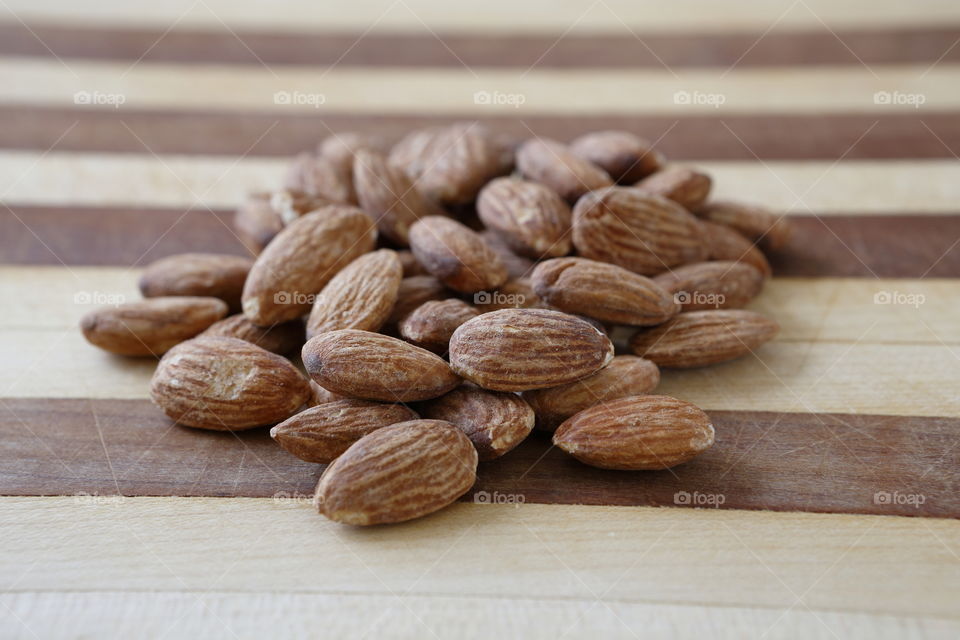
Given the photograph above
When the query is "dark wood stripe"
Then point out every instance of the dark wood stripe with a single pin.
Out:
(783, 462)
(623, 50)
(897, 246)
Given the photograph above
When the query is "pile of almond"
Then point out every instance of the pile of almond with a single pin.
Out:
(448, 294)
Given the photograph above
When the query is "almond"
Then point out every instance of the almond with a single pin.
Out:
(701, 338)
(517, 266)
(361, 296)
(212, 275)
(411, 266)
(494, 422)
(685, 186)
(725, 243)
(151, 327)
(530, 217)
(521, 349)
(280, 338)
(322, 396)
(413, 292)
(318, 176)
(514, 294)
(624, 376)
(341, 148)
(323, 432)
(290, 205)
(256, 222)
(602, 291)
(626, 157)
(361, 364)
(459, 257)
(431, 324)
(629, 228)
(756, 223)
(398, 473)
(300, 261)
(226, 384)
(553, 164)
(712, 285)
(636, 433)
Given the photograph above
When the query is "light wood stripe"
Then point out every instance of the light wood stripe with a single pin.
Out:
(289, 90)
(633, 555)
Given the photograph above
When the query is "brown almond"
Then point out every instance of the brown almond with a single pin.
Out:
(530, 217)
(214, 275)
(640, 232)
(341, 148)
(411, 266)
(757, 223)
(321, 433)
(321, 395)
(150, 327)
(712, 285)
(513, 294)
(726, 243)
(494, 422)
(624, 376)
(361, 296)
(517, 265)
(281, 339)
(701, 338)
(685, 186)
(318, 176)
(553, 164)
(602, 291)
(625, 157)
(361, 364)
(398, 473)
(431, 324)
(413, 292)
(521, 349)
(226, 384)
(458, 256)
(636, 433)
(290, 205)
(256, 222)
(300, 261)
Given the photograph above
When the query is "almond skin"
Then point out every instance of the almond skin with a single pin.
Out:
(636, 433)
(321, 433)
(530, 217)
(624, 376)
(553, 164)
(212, 275)
(150, 327)
(361, 296)
(521, 349)
(712, 285)
(494, 422)
(602, 291)
(725, 243)
(300, 261)
(225, 384)
(318, 176)
(431, 324)
(281, 338)
(256, 222)
(685, 186)
(701, 338)
(629, 228)
(371, 366)
(398, 473)
(458, 256)
(626, 157)
(757, 223)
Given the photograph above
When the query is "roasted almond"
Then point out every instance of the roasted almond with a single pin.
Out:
(361, 364)
(521, 349)
(685, 186)
(413, 292)
(513, 294)
(625, 157)
(361, 296)
(602, 291)
(226, 384)
(553, 164)
(517, 266)
(212, 275)
(494, 422)
(411, 266)
(256, 222)
(636, 433)
(150, 327)
(323, 432)
(701, 338)
(757, 223)
(624, 376)
(712, 285)
(398, 473)
(290, 205)
(640, 232)
(281, 338)
(322, 396)
(318, 176)
(300, 261)
(341, 148)
(458, 256)
(726, 243)
(431, 324)
(530, 217)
